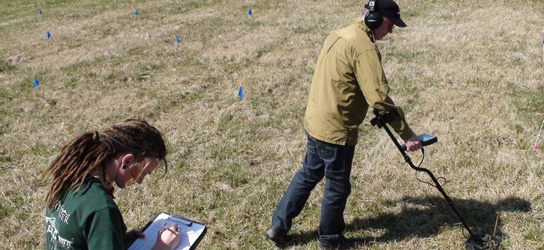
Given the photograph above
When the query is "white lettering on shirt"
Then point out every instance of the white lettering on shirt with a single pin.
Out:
(56, 241)
(62, 214)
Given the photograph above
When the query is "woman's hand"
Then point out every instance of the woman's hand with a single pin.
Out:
(168, 238)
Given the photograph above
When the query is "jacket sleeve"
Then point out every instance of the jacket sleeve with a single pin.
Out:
(373, 84)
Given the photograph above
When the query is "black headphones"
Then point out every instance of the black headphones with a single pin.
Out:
(373, 19)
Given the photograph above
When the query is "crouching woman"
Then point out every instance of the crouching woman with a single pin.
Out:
(81, 212)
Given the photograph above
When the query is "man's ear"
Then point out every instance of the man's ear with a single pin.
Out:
(127, 160)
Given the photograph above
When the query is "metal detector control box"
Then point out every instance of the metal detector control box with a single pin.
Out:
(426, 139)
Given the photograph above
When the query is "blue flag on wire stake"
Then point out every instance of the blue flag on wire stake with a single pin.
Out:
(249, 12)
(36, 82)
(40, 11)
(241, 93)
(177, 39)
(48, 35)
(137, 12)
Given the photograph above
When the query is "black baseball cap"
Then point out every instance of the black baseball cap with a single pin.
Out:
(390, 10)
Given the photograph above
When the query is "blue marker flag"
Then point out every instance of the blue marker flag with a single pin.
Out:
(36, 82)
(241, 93)
(249, 12)
(40, 11)
(137, 12)
(177, 39)
(48, 35)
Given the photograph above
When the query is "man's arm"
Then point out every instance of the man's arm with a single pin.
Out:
(373, 84)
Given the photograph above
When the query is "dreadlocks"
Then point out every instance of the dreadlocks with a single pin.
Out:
(88, 152)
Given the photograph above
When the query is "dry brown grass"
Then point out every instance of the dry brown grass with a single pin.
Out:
(469, 72)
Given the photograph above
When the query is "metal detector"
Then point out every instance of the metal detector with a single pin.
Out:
(474, 241)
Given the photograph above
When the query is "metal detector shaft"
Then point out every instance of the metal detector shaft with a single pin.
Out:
(381, 123)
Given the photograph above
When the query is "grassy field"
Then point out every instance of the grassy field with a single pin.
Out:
(468, 71)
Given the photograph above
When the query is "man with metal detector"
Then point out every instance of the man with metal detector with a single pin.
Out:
(348, 79)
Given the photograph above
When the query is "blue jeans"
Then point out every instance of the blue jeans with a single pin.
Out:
(322, 159)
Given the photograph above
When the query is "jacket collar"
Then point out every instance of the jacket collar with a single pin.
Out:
(360, 23)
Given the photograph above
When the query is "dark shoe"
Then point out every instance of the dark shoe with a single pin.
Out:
(279, 237)
(342, 243)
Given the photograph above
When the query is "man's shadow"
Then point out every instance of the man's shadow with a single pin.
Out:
(423, 217)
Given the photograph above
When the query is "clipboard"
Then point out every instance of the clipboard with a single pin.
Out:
(191, 234)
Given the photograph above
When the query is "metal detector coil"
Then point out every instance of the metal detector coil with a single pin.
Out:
(474, 241)
(482, 242)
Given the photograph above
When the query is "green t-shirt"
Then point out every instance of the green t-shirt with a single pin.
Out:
(89, 219)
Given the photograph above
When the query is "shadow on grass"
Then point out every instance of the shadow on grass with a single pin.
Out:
(423, 217)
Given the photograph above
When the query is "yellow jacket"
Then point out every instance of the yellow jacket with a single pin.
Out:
(348, 78)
